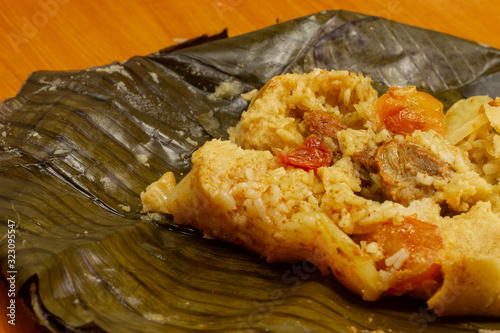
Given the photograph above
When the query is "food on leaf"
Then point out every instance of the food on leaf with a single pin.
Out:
(384, 215)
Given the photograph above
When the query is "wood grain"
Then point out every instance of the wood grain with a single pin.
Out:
(75, 34)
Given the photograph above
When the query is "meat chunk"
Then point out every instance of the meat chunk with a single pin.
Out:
(323, 124)
(366, 158)
(407, 171)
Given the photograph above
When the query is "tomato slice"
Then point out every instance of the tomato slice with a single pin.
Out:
(404, 110)
(421, 240)
(414, 281)
(495, 103)
(311, 155)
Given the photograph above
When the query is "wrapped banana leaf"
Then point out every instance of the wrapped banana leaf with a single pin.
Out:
(78, 148)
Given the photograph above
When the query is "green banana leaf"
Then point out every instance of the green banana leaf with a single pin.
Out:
(77, 148)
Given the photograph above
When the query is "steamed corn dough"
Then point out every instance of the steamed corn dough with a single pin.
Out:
(389, 212)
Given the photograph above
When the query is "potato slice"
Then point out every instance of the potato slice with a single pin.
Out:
(492, 111)
(465, 117)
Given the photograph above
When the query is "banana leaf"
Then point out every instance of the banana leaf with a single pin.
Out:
(78, 147)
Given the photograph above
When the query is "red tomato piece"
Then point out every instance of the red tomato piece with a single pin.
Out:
(421, 240)
(311, 155)
(404, 110)
(414, 281)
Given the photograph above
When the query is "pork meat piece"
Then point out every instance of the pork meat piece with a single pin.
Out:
(407, 171)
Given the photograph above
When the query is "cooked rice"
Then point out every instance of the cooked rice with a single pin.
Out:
(239, 191)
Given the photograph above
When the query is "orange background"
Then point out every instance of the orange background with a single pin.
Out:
(76, 34)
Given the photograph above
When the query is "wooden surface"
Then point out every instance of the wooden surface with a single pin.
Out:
(76, 34)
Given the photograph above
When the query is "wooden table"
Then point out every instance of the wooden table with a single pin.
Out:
(76, 34)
